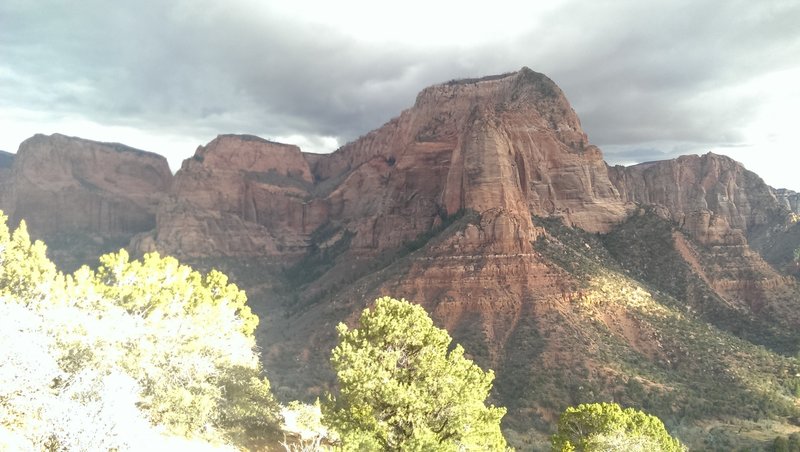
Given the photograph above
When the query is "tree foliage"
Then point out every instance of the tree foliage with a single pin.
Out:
(608, 427)
(130, 354)
(400, 388)
(782, 444)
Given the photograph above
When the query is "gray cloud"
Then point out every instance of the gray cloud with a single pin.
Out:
(647, 71)
(635, 71)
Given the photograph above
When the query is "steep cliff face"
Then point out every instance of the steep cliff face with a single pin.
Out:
(712, 197)
(238, 196)
(504, 146)
(509, 146)
(723, 208)
(60, 184)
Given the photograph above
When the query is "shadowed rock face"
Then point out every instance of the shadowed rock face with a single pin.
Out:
(790, 199)
(60, 184)
(6, 161)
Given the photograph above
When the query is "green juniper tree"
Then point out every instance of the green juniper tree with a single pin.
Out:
(608, 427)
(401, 389)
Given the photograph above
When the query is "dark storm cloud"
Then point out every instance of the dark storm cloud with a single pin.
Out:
(647, 71)
(635, 71)
(202, 66)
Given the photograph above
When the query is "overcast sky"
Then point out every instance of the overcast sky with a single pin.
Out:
(649, 80)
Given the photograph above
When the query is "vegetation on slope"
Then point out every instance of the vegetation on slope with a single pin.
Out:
(135, 354)
(645, 248)
(643, 346)
(606, 427)
(151, 353)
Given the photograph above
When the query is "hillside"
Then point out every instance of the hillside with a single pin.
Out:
(670, 286)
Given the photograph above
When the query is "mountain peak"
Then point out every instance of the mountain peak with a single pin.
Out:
(500, 88)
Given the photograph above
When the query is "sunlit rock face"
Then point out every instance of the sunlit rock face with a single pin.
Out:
(712, 197)
(60, 184)
(238, 196)
(504, 146)
(722, 207)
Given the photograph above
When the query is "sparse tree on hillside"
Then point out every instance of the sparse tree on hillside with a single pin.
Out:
(400, 388)
(608, 427)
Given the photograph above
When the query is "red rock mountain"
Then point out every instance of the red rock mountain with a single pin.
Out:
(75, 192)
(238, 196)
(506, 146)
(486, 203)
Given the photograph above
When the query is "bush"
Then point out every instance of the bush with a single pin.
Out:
(606, 426)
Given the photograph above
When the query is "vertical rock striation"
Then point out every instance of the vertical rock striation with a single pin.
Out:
(712, 197)
(504, 146)
(61, 184)
(238, 196)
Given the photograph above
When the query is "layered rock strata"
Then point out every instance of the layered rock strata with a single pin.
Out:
(60, 184)
(239, 196)
(504, 146)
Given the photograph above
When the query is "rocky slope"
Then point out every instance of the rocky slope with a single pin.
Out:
(486, 203)
(723, 208)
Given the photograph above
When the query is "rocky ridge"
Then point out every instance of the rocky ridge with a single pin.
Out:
(712, 197)
(484, 202)
(506, 146)
(722, 207)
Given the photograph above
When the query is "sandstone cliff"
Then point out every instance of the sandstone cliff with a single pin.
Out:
(508, 146)
(60, 184)
(238, 195)
(712, 197)
(504, 146)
